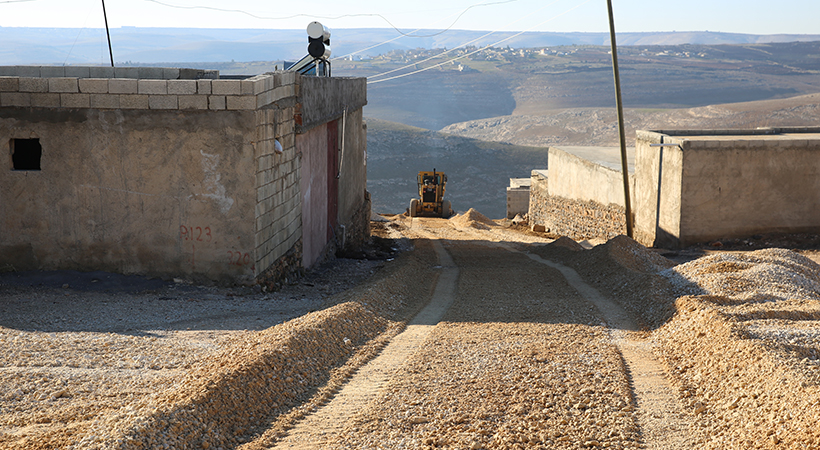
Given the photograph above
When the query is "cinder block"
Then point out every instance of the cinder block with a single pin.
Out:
(25, 71)
(93, 85)
(101, 72)
(52, 72)
(163, 102)
(8, 71)
(105, 101)
(264, 99)
(149, 73)
(9, 84)
(170, 73)
(45, 100)
(22, 99)
(189, 74)
(77, 71)
(152, 86)
(182, 87)
(287, 77)
(127, 72)
(33, 85)
(193, 102)
(216, 102)
(203, 86)
(75, 100)
(246, 87)
(258, 84)
(133, 101)
(63, 85)
(226, 87)
(123, 86)
(240, 102)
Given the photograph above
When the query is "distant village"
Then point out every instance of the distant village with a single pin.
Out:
(474, 53)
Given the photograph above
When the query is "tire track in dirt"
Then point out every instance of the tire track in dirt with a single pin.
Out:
(663, 423)
(315, 430)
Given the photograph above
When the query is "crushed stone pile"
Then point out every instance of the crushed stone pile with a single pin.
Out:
(223, 396)
(762, 275)
(739, 334)
(473, 219)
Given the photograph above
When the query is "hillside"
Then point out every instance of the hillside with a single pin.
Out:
(478, 172)
(598, 126)
(501, 82)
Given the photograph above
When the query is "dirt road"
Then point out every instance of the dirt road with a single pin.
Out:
(481, 337)
(526, 357)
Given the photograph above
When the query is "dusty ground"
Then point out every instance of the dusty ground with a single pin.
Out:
(546, 345)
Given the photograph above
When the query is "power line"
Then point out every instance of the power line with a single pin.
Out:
(342, 16)
(462, 45)
(481, 49)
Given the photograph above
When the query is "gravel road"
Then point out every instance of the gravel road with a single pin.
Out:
(546, 345)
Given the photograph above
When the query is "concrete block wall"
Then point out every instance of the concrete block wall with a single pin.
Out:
(161, 92)
(278, 195)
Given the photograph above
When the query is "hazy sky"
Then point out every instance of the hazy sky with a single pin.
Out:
(740, 16)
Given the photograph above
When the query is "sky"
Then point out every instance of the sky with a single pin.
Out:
(735, 16)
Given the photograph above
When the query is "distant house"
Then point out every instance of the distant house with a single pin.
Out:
(179, 172)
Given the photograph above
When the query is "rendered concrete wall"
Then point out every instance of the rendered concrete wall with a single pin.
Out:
(132, 192)
(658, 185)
(518, 197)
(579, 179)
(727, 183)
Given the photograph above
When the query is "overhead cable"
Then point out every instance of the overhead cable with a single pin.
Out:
(482, 48)
(341, 16)
(462, 45)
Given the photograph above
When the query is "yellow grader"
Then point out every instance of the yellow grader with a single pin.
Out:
(431, 193)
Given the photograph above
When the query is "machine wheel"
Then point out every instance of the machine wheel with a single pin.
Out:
(446, 209)
(414, 207)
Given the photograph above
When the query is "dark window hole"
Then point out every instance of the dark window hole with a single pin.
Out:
(25, 154)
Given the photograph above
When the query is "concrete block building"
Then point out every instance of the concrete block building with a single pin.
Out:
(686, 186)
(178, 172)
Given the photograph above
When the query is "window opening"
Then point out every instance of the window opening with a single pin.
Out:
(25, 154)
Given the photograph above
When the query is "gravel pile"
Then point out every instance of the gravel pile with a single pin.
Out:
(742, 348)
(473, 219)
(194, 389)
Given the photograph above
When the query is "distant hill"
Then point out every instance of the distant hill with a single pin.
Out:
(189, 45)
(513, 83)
(478, 172)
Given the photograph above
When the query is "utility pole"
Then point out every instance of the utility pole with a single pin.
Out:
(619, 102)
(107, 33)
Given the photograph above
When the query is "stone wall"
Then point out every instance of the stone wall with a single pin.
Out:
(577, 219)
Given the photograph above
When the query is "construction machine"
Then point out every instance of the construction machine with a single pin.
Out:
(431, 193)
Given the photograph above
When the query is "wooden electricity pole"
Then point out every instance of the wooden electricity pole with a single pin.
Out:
(619, 102)
(107, 33)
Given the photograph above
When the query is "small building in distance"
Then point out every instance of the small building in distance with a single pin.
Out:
(518, 197)
(686, 186)
(179, 172)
